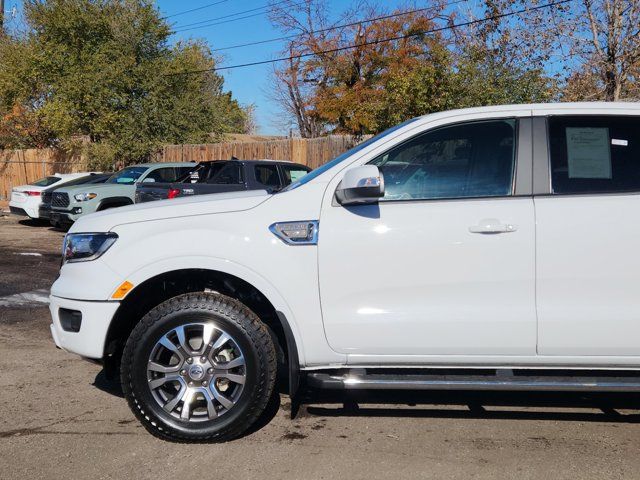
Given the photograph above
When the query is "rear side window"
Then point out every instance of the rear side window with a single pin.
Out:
(293, 173)
(594, 154)
(229, 174)
(168, 174)
(267, 175)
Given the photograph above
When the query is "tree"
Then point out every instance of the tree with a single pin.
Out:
(592, 46)
(604, 35)
(502, 58)
(363, 77)
(104, 70)
(292, 86)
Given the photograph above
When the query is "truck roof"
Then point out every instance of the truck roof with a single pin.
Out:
(163, 164)
(266, 160)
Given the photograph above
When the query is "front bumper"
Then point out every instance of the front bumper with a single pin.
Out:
(90, 340)
(44, 211)
(63, 216)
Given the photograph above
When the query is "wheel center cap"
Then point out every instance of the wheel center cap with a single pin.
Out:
(196, 372)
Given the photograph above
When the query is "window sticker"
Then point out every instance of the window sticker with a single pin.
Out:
(619, 142)
(588, 152)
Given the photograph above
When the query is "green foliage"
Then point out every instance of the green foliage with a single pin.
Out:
(487, 78)
(103, 71)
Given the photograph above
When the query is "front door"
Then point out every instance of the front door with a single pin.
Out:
(444, 264)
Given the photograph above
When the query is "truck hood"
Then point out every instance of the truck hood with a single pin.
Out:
(164, 209)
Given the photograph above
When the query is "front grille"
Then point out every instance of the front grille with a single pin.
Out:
(60, 199)
(46, 198)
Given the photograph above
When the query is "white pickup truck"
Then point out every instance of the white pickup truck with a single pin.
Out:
(501, 239)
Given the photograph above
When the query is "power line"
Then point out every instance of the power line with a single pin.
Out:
(375, 42)
(182, 27)
(328, 29)
(195, 9)
(220, 23)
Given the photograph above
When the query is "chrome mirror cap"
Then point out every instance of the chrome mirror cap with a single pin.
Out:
(360, 185)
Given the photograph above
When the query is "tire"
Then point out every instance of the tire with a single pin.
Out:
(221, 404)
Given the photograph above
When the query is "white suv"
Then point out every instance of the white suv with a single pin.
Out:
(503, 239)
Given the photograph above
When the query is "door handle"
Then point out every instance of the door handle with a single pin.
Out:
(492, 225)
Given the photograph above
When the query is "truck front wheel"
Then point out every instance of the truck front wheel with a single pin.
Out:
(199, 367)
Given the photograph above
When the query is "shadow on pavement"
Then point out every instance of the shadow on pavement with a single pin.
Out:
(107, 385)
(477, 405)
(34, 222)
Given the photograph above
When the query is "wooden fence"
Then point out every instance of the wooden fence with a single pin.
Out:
(18, 167)
(312, 152)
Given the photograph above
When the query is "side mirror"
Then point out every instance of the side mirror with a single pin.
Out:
(361, 185)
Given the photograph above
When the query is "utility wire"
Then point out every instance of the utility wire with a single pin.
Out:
(181, 28)
(328, 29)
(220, 23)
(194, 9)
(375, 42)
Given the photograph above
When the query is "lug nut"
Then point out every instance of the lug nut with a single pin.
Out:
(191, 384)
(189, 360)
(204, 383)
(210, 371)
(183, 372)
(203, 359)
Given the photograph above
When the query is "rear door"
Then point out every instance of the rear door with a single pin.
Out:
(588, 238)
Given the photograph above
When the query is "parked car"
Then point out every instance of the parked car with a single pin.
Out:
(489, 248)
(44, 211)
(26, 199)
(69, 204)
(225, 176)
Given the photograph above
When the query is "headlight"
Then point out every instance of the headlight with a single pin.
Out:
(83, 197)
(84, 247)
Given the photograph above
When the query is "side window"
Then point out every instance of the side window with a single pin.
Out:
(229, 174)
(466, 160)
(594, 154)
(267, 175)
(292, 173)
(181, 172)
(165, 175)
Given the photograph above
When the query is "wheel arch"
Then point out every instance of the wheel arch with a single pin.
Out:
(112, 202)
(159, 287)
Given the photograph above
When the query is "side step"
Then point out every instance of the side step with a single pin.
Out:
(502, 380)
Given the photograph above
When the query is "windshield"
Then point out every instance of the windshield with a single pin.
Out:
(127, 175)
(327, 166)
(93, 178)
(45, 182)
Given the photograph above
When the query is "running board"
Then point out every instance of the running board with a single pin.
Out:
(499, 382)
